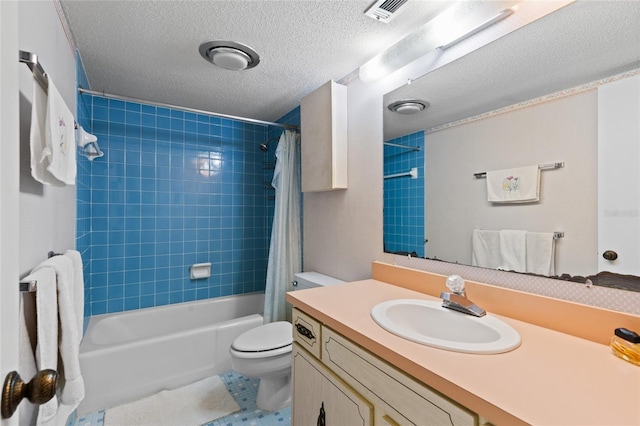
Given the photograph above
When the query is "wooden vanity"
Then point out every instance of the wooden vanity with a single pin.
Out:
(347, 370)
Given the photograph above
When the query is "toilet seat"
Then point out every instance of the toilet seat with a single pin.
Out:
(264, 341)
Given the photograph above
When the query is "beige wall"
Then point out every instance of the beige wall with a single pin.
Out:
(47, 214)
(559, 130)
(343, 228)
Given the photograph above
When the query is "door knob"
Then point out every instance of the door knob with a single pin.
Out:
(39, 390)
(610, 255)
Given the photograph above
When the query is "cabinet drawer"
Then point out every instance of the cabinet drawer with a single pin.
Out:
(306, 331)
(409, 401)
(319, 397)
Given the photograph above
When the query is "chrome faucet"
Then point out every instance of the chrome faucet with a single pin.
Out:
(457, 299)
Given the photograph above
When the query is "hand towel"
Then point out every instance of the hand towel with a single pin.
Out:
(485, 249)
(78, 288)
(37, 140)
(513, 250)
(73, 384)
(60, 138)
(47, 333)
(520, 185)
(541, 253)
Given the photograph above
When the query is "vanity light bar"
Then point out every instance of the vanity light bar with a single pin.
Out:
(499, 17)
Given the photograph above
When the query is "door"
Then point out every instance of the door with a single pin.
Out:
(9, 175)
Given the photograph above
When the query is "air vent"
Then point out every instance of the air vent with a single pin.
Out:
(384, 10)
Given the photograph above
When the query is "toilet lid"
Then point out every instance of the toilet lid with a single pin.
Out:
(265, 337)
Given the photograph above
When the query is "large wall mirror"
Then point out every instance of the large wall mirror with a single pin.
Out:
(562, 93)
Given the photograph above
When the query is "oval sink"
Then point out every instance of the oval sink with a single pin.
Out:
(428, 323)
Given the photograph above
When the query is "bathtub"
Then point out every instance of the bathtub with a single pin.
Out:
(128, 355)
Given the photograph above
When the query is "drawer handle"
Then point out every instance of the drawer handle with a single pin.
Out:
(305, 331)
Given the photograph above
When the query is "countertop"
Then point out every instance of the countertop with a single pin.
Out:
(551, 379)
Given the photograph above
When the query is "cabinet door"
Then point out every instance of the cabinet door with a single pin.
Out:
(320, 398)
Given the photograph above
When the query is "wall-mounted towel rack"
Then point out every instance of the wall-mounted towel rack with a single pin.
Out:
(86, 141)
(546, 166)
(413, 173)
(412, 148)
(32, 286)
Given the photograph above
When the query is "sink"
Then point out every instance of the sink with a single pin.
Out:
(428, 323)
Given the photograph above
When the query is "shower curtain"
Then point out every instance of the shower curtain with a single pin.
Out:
(285, 248)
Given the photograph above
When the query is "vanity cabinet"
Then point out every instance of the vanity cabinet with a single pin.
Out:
(323, 127)
(358, 375)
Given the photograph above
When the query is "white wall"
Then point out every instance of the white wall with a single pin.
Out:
(343, 228)
(47, 214)
(456, 203)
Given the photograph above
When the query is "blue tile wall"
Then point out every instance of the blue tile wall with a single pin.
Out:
(173, 189)
(404, 196)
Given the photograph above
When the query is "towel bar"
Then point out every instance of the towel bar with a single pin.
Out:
(547, 166)
(32, 286)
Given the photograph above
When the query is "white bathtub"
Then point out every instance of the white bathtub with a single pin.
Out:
(129, 355)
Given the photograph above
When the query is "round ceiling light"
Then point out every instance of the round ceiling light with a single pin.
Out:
(229, 55)
(408, 106)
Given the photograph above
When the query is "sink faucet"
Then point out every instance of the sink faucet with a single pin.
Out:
(457, 299)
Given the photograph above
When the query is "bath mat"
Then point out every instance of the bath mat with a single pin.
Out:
(192, 405)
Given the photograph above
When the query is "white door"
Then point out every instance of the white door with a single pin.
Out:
(619, 175)
(9, 175)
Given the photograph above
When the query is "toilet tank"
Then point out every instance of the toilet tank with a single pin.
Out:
(303, 280)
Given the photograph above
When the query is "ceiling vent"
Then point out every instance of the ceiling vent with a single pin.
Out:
(384, 10)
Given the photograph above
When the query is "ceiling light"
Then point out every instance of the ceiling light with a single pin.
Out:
(489, 22)
(229, 55)
(455, 24)
(408, 106)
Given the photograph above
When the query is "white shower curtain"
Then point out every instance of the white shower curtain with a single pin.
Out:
(285, 249)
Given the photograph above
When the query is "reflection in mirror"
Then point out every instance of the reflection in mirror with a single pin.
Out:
(545, 93)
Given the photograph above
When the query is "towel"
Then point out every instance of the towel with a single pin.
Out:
(60, 138)
(47, 333)
(513, 250)
(541, 253)
(37, 143)
(521, 185)
(69, 341)
(485, 249)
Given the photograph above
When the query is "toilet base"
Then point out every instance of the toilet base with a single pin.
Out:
(274, 393)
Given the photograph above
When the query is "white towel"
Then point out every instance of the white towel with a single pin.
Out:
(37, 140)
(47, 333)
(520, 185)
(541, 253)
(77, 288)
(513, 250)
(72, 383)
(60, 138)
(485, 249)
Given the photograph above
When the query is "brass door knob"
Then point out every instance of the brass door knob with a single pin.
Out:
(610, 255)
(39, 390)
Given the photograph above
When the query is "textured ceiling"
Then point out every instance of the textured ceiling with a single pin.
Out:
(580, 43)
(149, 49)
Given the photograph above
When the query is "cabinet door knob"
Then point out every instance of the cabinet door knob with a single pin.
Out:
(610, 255)
(321, 417)
(39, 390)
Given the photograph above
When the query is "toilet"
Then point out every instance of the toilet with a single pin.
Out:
(265, 351)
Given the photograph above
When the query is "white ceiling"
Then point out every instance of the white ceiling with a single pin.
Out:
(149, 49)
(578, 44)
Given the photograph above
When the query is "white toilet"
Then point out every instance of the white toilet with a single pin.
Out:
(265, 351)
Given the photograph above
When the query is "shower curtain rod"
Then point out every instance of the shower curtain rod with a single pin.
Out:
(197, 111)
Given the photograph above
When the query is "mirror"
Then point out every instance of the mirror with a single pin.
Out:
(532, 103)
